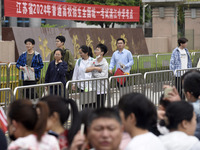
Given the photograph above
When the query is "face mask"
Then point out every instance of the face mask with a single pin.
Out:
(98, 56)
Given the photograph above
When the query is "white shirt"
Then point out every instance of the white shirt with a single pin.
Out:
(184, 58)
(147, 141)
(79, 71)
(178, 140)
(48, 142)
(101, 86)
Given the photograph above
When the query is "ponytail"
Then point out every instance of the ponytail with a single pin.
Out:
(42, 115)
(61, 106)
(87, 49)
(75, 125)
(90, 52)
(32, 116)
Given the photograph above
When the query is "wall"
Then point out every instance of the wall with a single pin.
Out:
(157, 45)
(7, 50)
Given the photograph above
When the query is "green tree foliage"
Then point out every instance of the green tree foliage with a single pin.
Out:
(113, 3)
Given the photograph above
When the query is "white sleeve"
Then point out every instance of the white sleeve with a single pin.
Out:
(75, 73)
(196, 146)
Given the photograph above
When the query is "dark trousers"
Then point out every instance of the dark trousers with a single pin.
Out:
(101, 100)
(28, 96)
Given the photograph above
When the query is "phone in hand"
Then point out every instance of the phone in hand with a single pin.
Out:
(167, 91)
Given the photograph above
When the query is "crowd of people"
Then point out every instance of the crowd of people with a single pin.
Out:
(54, 122)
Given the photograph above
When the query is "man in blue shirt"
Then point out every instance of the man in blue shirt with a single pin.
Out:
(122, 58)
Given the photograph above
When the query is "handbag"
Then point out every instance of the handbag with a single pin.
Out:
(122, 80)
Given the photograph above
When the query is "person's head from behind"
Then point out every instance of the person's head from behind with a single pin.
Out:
(60, 41)
(192, 86)
(105, 129)
(180, 116)
(136, 111)
(29, 43)
(59, 113)
(182, 42)
(85, 52)
(101, 49)
(120, 43)
(26, 118)
(58, 54)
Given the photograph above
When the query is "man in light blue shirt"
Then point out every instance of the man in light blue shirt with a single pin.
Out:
(122, 58)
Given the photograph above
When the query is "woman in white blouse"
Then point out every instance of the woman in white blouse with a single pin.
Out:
(82, 63)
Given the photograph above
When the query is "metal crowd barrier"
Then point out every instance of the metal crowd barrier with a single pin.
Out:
(6, 97)
(4, 75)
(153, 83)
(39, 90)
(14, 76)
(146, 63)
(178, 75)
(121, 85)
(86, 92)
(43, 72)
(162, 61)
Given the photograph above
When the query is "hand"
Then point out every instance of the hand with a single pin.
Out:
(73, 87)
(161, 114)
(21, 68)
(32, 69)
(60, 61)
(98, 69)
(79, 142)
(173, 95)
(110, 71)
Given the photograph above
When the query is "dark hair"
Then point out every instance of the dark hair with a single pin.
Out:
(61, 38)
(192, 83)
(29, 40)
(182, 41)
(163, 102)
(84, 115)
(32, 116)
(103, 48)
(120, 39)
(86, 49)
(176, 112)
(103, 113)
(60, 105)
(141, 107)
(61, 51)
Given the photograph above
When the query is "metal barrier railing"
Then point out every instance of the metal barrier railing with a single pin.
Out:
(146, 63)
(38, 90)
(43, 72)
(121, 85)
(178, 74)
(4, 75)
(163, 61)
(6, 97)
(89, 93)
(13, 76)
(153, 83)
(134, 68)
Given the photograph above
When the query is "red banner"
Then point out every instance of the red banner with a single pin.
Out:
(70, 11)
